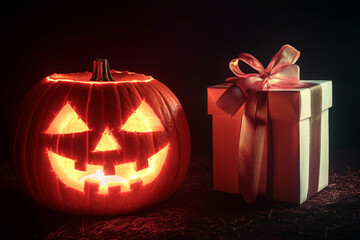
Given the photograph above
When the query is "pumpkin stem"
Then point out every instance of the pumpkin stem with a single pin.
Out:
(101, 70)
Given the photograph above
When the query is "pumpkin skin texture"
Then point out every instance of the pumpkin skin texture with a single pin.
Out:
(101, 147)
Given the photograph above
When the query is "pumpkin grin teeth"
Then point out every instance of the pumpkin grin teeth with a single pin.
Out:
(125, 174)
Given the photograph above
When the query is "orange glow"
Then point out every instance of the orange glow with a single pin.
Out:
(107, 142)
(67, 121)
(125, 174)
(105, 180)
(88, 82)
(84, 78)
(143, 119)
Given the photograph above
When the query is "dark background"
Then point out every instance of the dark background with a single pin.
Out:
(187, 45)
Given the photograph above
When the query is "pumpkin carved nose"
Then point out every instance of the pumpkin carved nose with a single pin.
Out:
(107, 142)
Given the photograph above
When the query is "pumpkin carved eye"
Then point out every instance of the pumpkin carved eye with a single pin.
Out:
(67, 121)
(143, 119)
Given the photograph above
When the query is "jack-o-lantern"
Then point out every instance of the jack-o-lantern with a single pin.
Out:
(109, 142)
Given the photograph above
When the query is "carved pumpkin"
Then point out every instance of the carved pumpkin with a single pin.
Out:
(107, 143)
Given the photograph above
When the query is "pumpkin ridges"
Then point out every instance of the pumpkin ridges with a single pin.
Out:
(133, 93)
(125, 89)
(97, 203)
(175, 147)
(20, 163)
(77, 202)
(101, 203)
(126, 102)
(151, 194)
(119, 89)
(35, 152)
(57, 194)
(170, 101)
(146, 203)
(61, 193)
(41, 152)
(184, 130)
(16, 133)
(158, 100)
(137, 96)
(30, 165)
(87, 139)
(152, 144)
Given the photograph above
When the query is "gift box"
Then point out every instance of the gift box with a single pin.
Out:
(276, 144)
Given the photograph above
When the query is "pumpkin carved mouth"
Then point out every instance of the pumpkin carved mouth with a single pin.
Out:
(125, 174)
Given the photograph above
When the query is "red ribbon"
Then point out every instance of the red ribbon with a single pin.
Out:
(250, 88)
(281, 72)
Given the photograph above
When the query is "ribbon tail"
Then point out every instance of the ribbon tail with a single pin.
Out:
(252, 145)
(231, 100)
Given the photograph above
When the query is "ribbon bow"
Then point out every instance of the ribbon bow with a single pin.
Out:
(281, 72)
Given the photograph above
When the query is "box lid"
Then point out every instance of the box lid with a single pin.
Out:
(284, 104)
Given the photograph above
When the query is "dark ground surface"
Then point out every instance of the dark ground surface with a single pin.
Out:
(197, 212)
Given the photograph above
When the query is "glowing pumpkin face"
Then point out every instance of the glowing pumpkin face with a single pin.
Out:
(101, 147)
(143, 120)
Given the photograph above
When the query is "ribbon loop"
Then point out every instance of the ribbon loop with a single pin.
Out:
(286, 55)
(249, 60)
